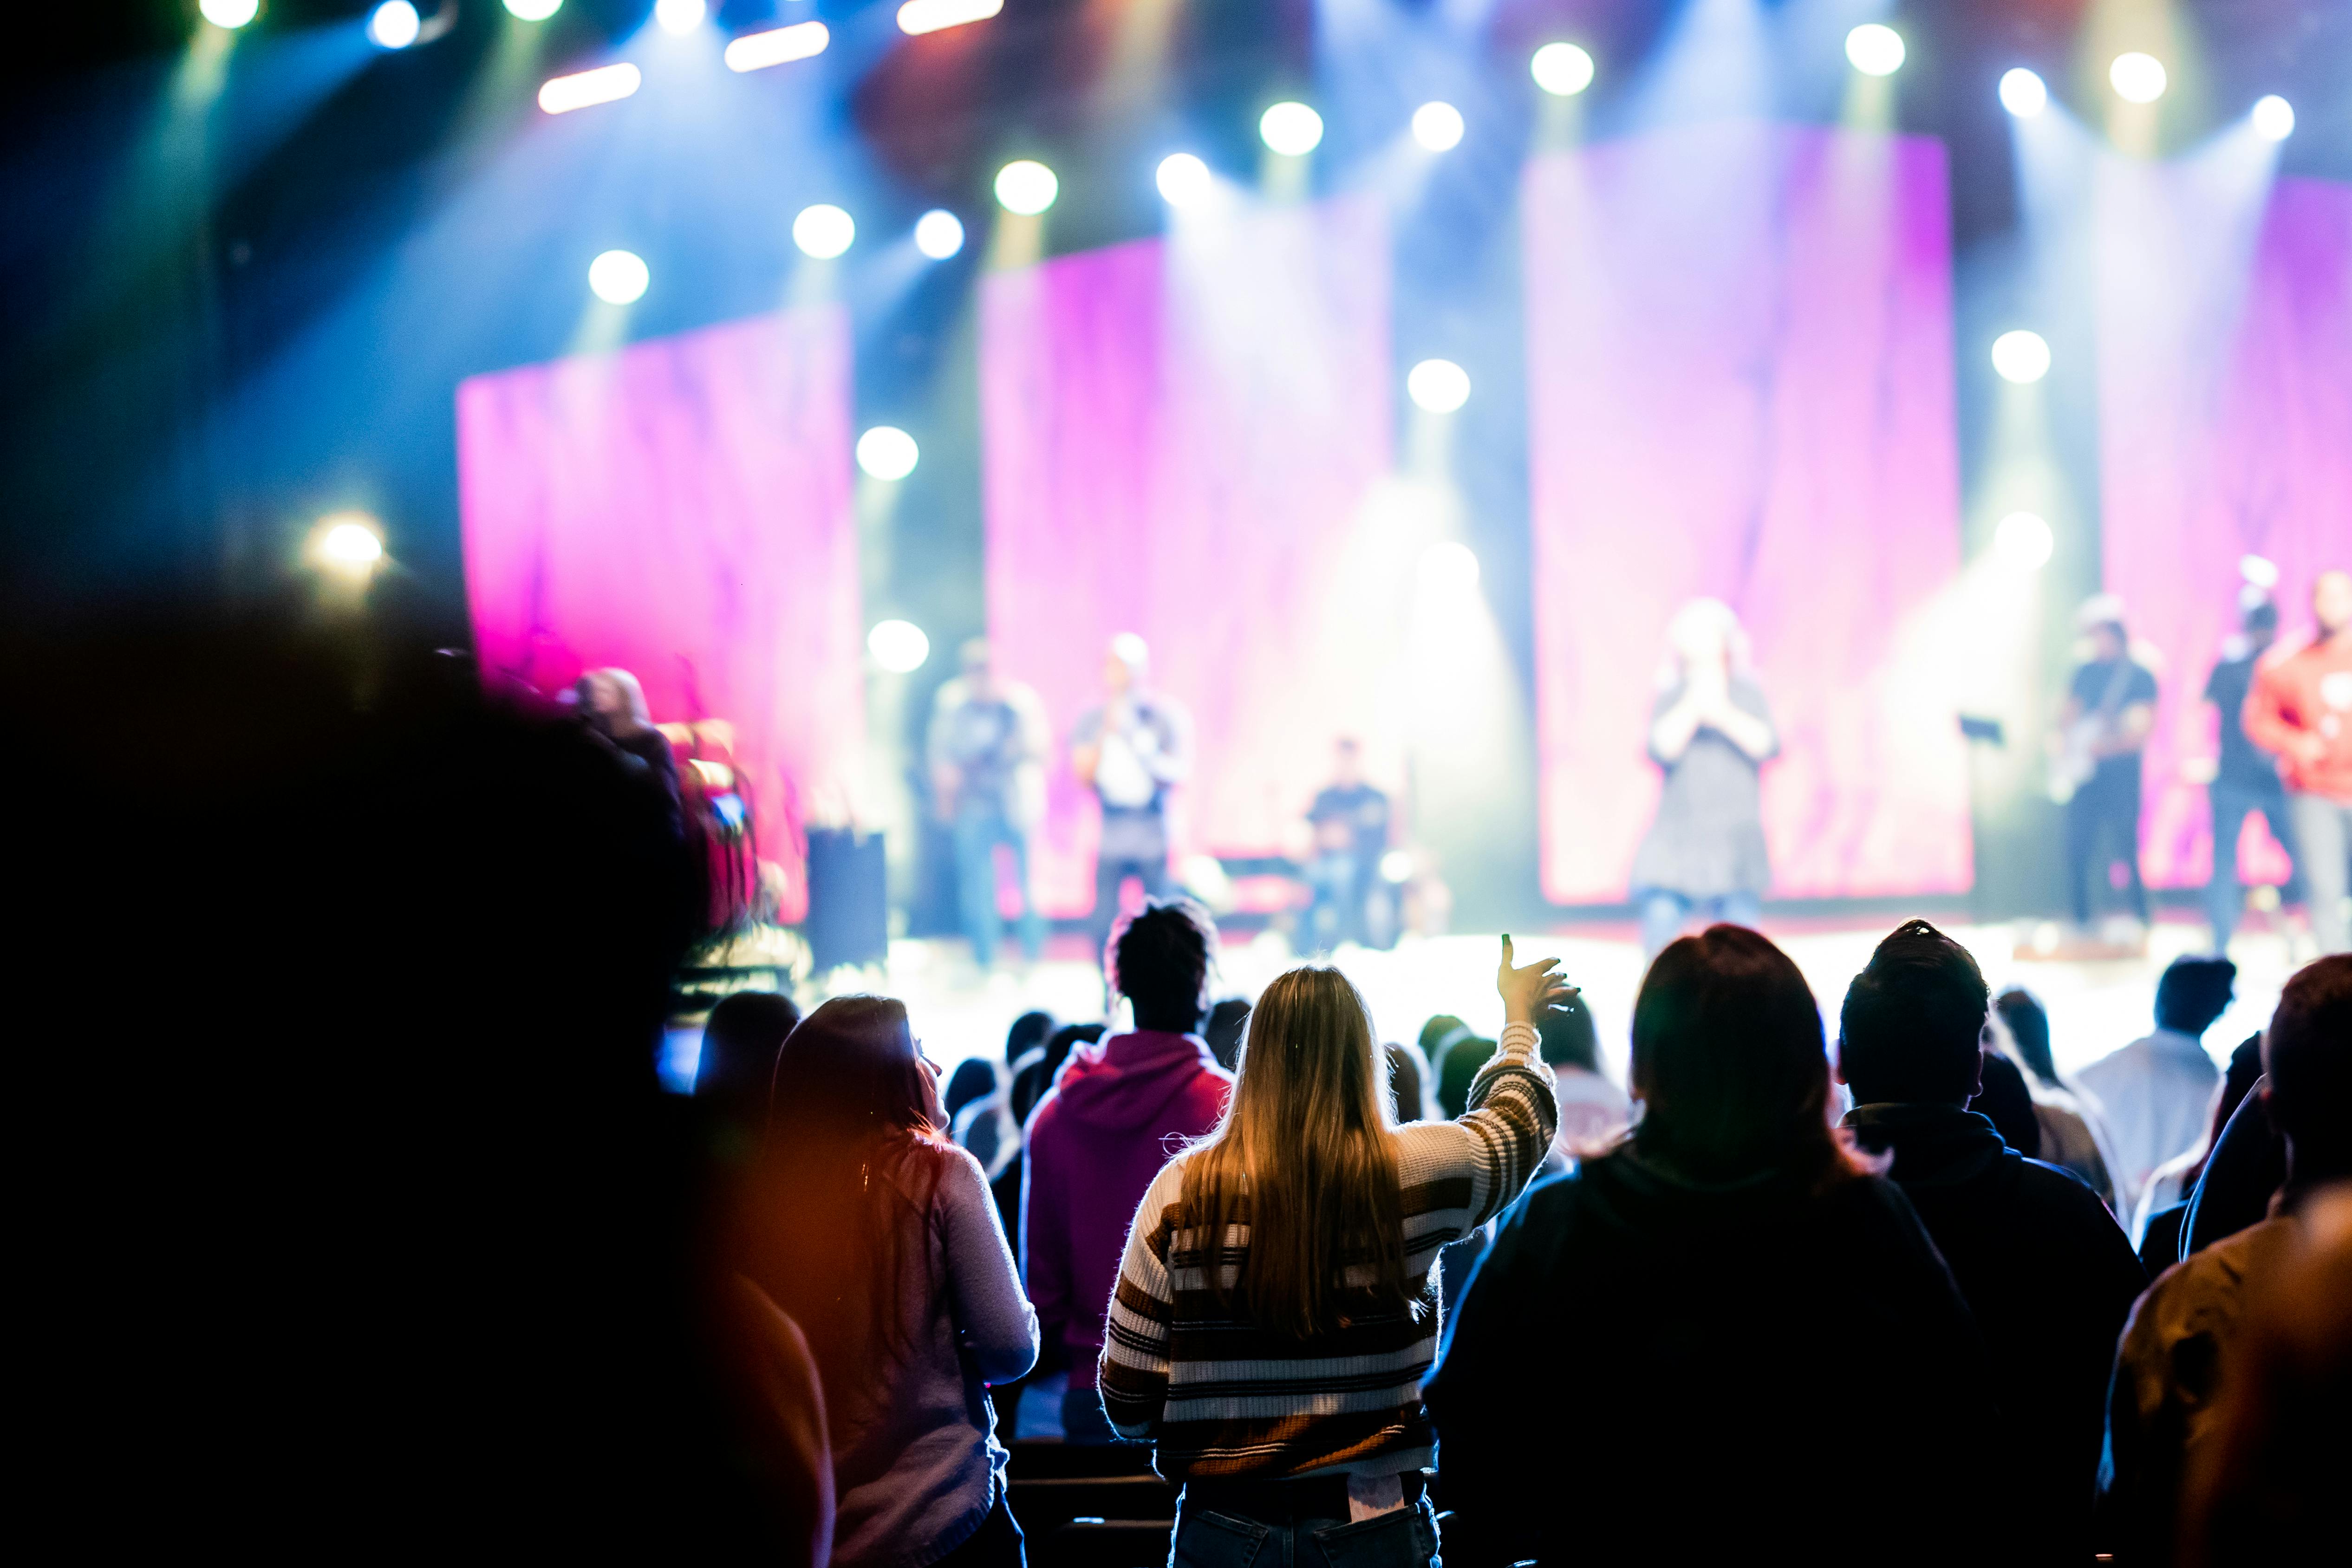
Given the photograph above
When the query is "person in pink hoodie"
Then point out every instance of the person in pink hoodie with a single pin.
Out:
(1116, 1114)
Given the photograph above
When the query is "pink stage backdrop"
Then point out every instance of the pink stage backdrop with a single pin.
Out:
(682, 509)
(2225, 429)
(1739, 352)
(1186, 438)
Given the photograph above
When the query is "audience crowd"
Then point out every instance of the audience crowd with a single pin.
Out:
(1899, 1294)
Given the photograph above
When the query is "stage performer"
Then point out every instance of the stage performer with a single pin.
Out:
(988, 745)
(1350, 819)
(2300, 710)
(1131, 750)
(2245, 779)
(2103, 725)
(1710, 732)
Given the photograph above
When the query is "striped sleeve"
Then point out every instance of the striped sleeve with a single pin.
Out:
(1456, 1175)
(1133, 1372)
(1513, 1112)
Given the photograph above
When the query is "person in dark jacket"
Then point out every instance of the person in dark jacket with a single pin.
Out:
(1783, 1359)
(2047, 1271)
(1113, 1118)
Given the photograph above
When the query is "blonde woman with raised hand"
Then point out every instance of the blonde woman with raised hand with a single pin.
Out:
(1276, 1307)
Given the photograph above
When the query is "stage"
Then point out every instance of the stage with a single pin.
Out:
(2094, 1006)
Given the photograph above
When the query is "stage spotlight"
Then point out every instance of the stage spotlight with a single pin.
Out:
(1437, 126)
(777, 46)
(229, 13)
(348, 543)
(1292, 129)
(931, 15)
(898, 646)
(824, 231)
(606, 84)
(2021, 357)
(2137, 77)
(1184, 180)
(1874, 49)
(680, 17)
(939, 233)
(2022, 540)
(2274, 117)
(886, 452)
(2022, 93)
(1027, 187)
(533, 10)
(394, 24)
(1397, 866)
(1561, 69)
(1441, 386)
(619, 277)
(1449, 567)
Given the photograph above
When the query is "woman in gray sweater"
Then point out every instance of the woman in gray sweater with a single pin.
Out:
(877, 1235)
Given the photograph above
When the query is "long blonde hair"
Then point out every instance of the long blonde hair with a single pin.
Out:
(1304, 1158)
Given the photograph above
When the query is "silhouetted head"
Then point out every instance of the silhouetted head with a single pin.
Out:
(1028, 1031)
(740, 1043)
(1408, 1081)
(1160, 962)
(1729, 1060)
(1465, 1056)
(1567, 1036)
(2007, 1104)
(2193, 992)
(2307, 1054)
(852, 1070)
(1909, 1031)
(2029, 1027)
(1440, 1028)
(1224, 1030)
(973, 1079)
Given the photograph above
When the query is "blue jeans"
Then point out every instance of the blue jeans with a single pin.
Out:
(1404, 1538)
(2225, 901)
(1337, 913)
(1664, 912)
(977, 834)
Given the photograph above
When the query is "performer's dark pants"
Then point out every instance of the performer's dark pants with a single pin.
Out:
(1110, 874)
(2225, 901)
(2103, 825)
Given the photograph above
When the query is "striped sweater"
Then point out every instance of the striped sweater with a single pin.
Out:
(1224, 1397)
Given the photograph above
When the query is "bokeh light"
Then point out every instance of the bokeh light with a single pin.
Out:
(2274, 117)
(1561, 69)
(1184, 180)
(1292, 129)
(2021, 357)
(2022, 93)
(898, 646)
(824, 231)
(887, 452)
(534, 10)
(1449, 567)
(619, 277)
(939, 233)
(2022, 540)
(394, 24)
(1874, 49)
(561, 95)
(229, 13)
(1437, 126)
(678, 17)
(1441, 386)
(2137, 77)
(1026, 186)
(349, 543)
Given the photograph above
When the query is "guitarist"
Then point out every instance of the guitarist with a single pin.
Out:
(2103, 723)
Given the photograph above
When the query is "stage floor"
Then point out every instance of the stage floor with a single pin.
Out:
(2093, 1007)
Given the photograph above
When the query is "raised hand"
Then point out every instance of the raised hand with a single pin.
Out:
(1530, 992)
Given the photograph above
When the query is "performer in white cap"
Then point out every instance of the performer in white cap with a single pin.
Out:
(1131, 750)
(2103, 725)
